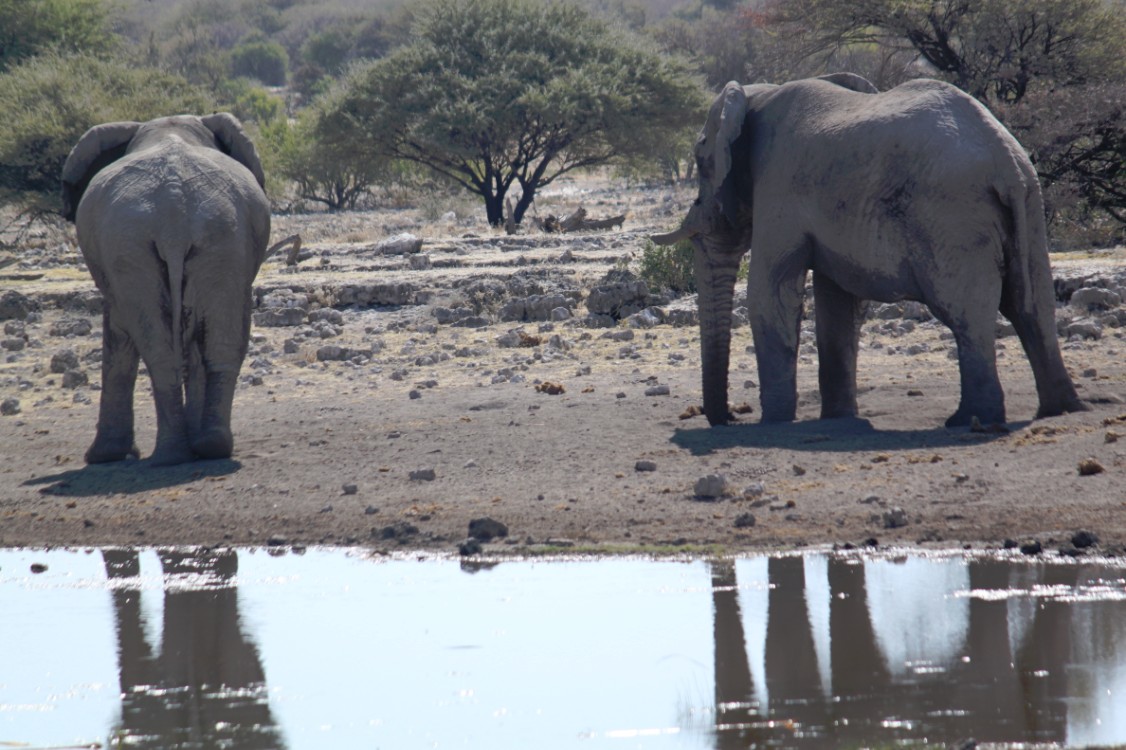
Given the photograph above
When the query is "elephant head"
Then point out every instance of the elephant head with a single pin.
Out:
(104, 144)
(720, 236)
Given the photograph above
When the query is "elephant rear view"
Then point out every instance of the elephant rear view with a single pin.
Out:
(173, 222)
(914, 193)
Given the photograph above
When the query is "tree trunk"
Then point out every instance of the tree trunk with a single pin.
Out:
(494, 209)
(523, 204)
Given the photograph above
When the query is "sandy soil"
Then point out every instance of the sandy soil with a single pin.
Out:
(440, 425)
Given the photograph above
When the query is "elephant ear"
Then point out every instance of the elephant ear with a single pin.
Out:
(99, 146)
(714, 152)
(851, 81)
(234, 142)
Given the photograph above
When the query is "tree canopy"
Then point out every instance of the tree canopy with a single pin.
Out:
(52, 99)
(497, 93)
(32, 27)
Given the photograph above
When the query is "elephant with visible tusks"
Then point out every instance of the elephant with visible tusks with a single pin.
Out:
(916, 193)
(173, 223)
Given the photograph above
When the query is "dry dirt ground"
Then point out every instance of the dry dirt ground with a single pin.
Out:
(414, 427)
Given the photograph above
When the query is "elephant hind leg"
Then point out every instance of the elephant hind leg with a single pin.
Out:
(982, 396)
(114, 440)
(1036, 330)
(838, 316)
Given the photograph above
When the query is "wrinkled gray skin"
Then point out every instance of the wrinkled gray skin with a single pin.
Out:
(916, 193)
(173, 223)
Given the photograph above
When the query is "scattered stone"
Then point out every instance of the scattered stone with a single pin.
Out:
(657, 390)
(277, 540)
(1084, 539)
(745, 520)
(799, 471)
(15, 306)
(10, 407)
(754, 490)
(350, 489)
(38, 568)
(1090, 299)
(711, 486)
(645, 466)
(75, 379)
(399, 244)
(1089, 467)
(63, 360)
(400, 530)
(420, 262)
(1010, 544)
(282, 317)
(423, 475)
(469, 547)
(1031, 547)
(371, 510)
(895, 518)
(413, 395)
(485, 529)
(1085, 329)
(72, 327)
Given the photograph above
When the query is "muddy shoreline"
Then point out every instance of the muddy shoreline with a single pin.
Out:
(391, 398)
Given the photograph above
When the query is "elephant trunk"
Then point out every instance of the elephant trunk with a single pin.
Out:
(716, 269)
(687, 230)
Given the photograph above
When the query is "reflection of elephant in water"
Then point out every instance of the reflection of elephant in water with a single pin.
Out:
(841, 650)
(173, 223)
(916, 193)
(203, 684)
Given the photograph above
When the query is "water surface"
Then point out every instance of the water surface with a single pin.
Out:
(243, 649)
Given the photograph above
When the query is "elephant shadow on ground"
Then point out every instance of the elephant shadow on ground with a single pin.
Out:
(828, 435)
(128, 477)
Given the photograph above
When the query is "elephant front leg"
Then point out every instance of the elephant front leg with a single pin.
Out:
(775, 305)
(115, 440)
(838, 316)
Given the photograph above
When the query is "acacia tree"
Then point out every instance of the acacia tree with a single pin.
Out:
(992, 49)
(497, 93)
(1054, 71)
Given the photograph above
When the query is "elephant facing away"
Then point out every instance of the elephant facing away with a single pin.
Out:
(173, 223)
(915, 193)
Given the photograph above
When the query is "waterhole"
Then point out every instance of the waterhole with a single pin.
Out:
(238, 649)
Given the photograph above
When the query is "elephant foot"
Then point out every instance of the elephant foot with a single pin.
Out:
(838, 412)
(965, 417)
(1067, 407)
(214, 443)
(170, 455)
(104, 450)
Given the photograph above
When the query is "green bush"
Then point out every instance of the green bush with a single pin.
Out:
(51, 100)
(251, 103)
(260, 59)
(669, 266)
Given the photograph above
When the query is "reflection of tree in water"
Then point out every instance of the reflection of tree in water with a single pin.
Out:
(997, 670)
(206, 687)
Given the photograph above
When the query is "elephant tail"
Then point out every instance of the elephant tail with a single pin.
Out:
(174, 256)
(1026, 251)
